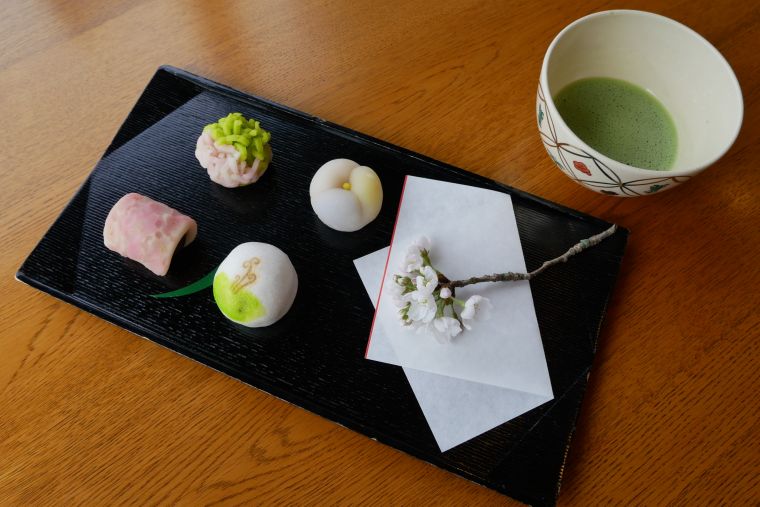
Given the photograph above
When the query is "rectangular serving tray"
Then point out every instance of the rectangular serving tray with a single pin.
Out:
(314, 357)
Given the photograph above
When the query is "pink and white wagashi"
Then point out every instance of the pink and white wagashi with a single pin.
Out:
(235, 151)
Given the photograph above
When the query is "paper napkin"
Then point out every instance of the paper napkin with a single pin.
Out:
(487, 375)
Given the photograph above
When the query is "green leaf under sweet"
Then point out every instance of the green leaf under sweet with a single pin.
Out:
(240, 306)
(194, 287)
(247, 136)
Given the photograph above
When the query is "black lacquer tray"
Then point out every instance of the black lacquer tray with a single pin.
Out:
(314, 357)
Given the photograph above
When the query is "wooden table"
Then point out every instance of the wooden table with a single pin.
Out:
(90, 413)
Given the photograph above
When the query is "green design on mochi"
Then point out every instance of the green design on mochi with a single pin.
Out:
(240, 306)
(247, 136)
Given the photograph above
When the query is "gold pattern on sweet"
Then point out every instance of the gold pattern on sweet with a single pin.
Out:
(247, 278)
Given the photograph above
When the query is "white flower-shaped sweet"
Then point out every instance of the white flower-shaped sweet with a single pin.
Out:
(346, 196)
(445, 328)
(476, 308)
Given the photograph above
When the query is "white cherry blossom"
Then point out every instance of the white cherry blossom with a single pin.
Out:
(397, 288)
(422, 307)
(445, 328)
(413, 260)
(476, 308)
(427, 282)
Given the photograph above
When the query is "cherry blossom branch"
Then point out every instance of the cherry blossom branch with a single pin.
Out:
(511, 277)
(426, 298)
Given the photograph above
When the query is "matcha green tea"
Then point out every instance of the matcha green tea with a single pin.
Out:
(620, 120)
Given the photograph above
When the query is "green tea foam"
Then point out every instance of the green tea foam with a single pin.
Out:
(621, 120)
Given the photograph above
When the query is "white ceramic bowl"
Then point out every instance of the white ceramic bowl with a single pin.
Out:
(684, 71)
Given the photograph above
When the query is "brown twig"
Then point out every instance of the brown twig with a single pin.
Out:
(512, 277)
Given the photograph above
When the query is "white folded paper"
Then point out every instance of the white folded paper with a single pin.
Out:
(497, 370)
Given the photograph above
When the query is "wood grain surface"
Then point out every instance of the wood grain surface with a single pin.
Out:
(90, 414)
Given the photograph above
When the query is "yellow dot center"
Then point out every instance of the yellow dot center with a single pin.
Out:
(346, 186)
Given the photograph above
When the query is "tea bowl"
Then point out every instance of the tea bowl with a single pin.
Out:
(691, 79)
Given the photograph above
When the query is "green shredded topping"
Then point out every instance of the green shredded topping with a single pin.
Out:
(247, 136)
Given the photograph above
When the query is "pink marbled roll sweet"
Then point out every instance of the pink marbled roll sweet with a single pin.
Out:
(147, 231)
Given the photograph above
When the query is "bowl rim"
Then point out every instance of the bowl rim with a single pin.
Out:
(689, 171)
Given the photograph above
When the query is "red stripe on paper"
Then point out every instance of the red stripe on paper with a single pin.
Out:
(385, 271)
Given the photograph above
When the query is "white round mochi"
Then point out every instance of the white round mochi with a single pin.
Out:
(346, 209)
(255, 284)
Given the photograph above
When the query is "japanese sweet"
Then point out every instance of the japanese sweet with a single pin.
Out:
(147, 231)
(235, 151)
(255, 284)
(346, 196)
